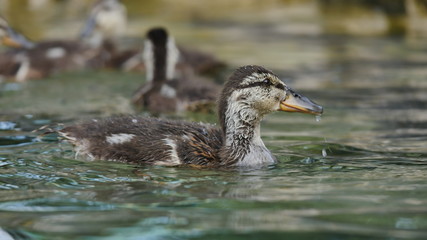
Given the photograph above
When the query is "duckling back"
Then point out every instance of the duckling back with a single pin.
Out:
(146, 141)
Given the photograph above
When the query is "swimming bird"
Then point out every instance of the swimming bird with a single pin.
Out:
(170, 86)
(32, 60)
(250, 93)
(106, 21)
(94, 48)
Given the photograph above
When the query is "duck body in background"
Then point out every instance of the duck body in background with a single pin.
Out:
(32, 60)
(250, 93)
(202, 63)
(170, 86)
(47, 58)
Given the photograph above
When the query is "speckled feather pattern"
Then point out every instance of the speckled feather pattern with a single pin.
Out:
(195, 143)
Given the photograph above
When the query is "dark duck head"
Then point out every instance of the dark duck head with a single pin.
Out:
(250, 94)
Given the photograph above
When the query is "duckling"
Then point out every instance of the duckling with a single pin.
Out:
(250, 93)
(37, 60)
(170, 86)
(94, 49)
(107, 20)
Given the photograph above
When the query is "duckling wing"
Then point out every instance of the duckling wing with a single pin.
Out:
(58, 55)
(145, 141)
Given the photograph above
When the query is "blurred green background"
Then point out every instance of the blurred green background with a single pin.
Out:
(46, 18)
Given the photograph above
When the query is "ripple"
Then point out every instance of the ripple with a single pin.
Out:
(68, 183)
(7, 186)
(5, 125)
(55, 205)
(18, 140)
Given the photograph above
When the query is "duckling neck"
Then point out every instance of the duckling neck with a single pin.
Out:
(160, 60)
(155, 62)
(243, 145)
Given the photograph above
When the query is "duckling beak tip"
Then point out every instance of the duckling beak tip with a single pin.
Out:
(10, 42)
(295, 102)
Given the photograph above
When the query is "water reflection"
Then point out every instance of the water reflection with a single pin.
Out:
(156, 201)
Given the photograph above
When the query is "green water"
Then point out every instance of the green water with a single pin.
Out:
(359, 173)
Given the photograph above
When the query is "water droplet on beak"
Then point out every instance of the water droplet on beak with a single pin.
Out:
(318, 118)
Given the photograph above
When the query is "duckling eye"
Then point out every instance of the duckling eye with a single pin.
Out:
(266, 81)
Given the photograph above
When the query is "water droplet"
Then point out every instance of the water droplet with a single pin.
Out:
(318, 118)
(324, 154)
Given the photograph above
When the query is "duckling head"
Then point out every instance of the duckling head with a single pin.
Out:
(253, 91)
(250, 94)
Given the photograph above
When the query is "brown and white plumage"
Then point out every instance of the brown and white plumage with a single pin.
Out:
(32, 60)
(169, 82)
(249, 94)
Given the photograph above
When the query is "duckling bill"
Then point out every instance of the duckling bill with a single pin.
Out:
(250, 93)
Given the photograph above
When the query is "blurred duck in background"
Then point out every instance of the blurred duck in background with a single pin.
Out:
(34, 60)
(95, 48)
(107, 20)
(171, 85)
